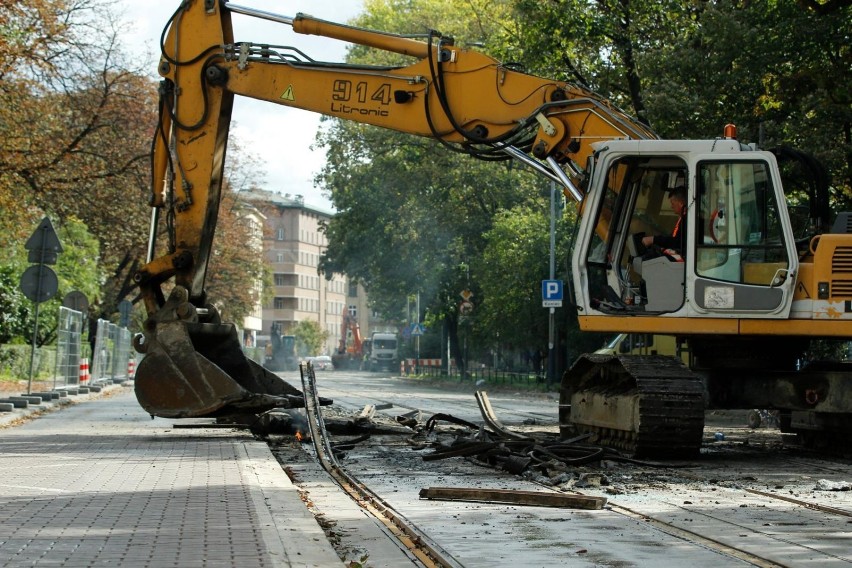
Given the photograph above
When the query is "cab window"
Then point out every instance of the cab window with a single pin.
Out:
(743, 238)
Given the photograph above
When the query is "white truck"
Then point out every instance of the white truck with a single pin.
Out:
(384, 354)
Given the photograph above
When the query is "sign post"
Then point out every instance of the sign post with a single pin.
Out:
(39, 282)
(551, 290)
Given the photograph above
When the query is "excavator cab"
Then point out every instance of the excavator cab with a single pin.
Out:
(736, 255)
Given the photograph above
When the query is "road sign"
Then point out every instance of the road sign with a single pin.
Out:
(39, 283)
(43, 245)
(551, 293)
(124, 309)
(76, 300)
(466, 308)
(417, 329)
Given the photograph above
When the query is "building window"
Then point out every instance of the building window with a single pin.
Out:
(353, 290)
(279, 234)
(279, 303)
(280, 280)
(279, 257)
(353, 310)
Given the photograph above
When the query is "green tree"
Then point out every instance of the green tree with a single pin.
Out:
(778, 70)
(236, 263)
(511, 268)
(15, 308)
(310, 337)
(411, 215)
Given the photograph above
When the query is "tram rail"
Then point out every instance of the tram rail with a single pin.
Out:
(413, 541)
(717, 512)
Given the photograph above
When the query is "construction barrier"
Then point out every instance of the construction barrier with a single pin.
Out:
(84, 372)
(131, 369)
(70, 347)
(416, 366)
(423, 363)
(112, 353)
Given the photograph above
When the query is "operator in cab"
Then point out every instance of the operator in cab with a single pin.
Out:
(677, 240)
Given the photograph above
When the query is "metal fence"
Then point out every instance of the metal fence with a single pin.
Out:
(434, 368)
(113, 353)
(70, 348)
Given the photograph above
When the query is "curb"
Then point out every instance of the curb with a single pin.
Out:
(36, 404)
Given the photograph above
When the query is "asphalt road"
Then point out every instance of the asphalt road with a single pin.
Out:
(747, 500)
(353, 389)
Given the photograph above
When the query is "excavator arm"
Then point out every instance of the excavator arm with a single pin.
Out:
(465, 99)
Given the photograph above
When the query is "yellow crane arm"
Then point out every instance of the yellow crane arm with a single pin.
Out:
(463, 98)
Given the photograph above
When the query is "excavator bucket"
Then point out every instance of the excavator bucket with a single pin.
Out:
(193, 369)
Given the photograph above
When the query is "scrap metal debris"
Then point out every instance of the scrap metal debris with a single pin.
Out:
(540, 455)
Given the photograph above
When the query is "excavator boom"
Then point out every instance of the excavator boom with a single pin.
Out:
(465, 99)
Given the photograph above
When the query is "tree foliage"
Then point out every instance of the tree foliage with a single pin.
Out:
(413, 218)
(778, 70)
(236, 263)
(310, 337)
(76, 121)
(75, 124)
(76, 268)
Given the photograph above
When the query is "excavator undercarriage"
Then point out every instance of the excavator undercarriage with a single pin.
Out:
(643, 405)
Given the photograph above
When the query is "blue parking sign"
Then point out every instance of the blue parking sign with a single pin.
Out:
(551, 293)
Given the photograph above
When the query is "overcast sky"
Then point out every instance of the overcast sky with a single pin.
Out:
(279, 136)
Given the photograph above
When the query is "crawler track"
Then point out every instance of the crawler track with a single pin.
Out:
(648, 406)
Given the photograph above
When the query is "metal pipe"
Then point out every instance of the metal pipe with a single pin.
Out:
(304, 24)
(522, 157)
(565, 180)
(262, 14)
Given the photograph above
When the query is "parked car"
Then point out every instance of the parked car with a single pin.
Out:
(321, 363)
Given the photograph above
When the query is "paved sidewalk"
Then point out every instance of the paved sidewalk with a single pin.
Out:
(102, 484)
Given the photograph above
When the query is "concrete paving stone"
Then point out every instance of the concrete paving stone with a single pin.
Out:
(102, 484)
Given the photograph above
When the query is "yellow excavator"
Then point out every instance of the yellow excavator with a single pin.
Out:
(747, 293)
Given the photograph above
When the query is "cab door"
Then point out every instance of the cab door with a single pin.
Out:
(744, 262)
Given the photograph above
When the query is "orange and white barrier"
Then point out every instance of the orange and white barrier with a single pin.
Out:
(84, 371)
(423, 363)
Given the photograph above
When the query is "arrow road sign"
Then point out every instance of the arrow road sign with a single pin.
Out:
(43, 245)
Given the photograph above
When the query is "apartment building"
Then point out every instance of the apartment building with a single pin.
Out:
(253, 323)
(292, 246)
